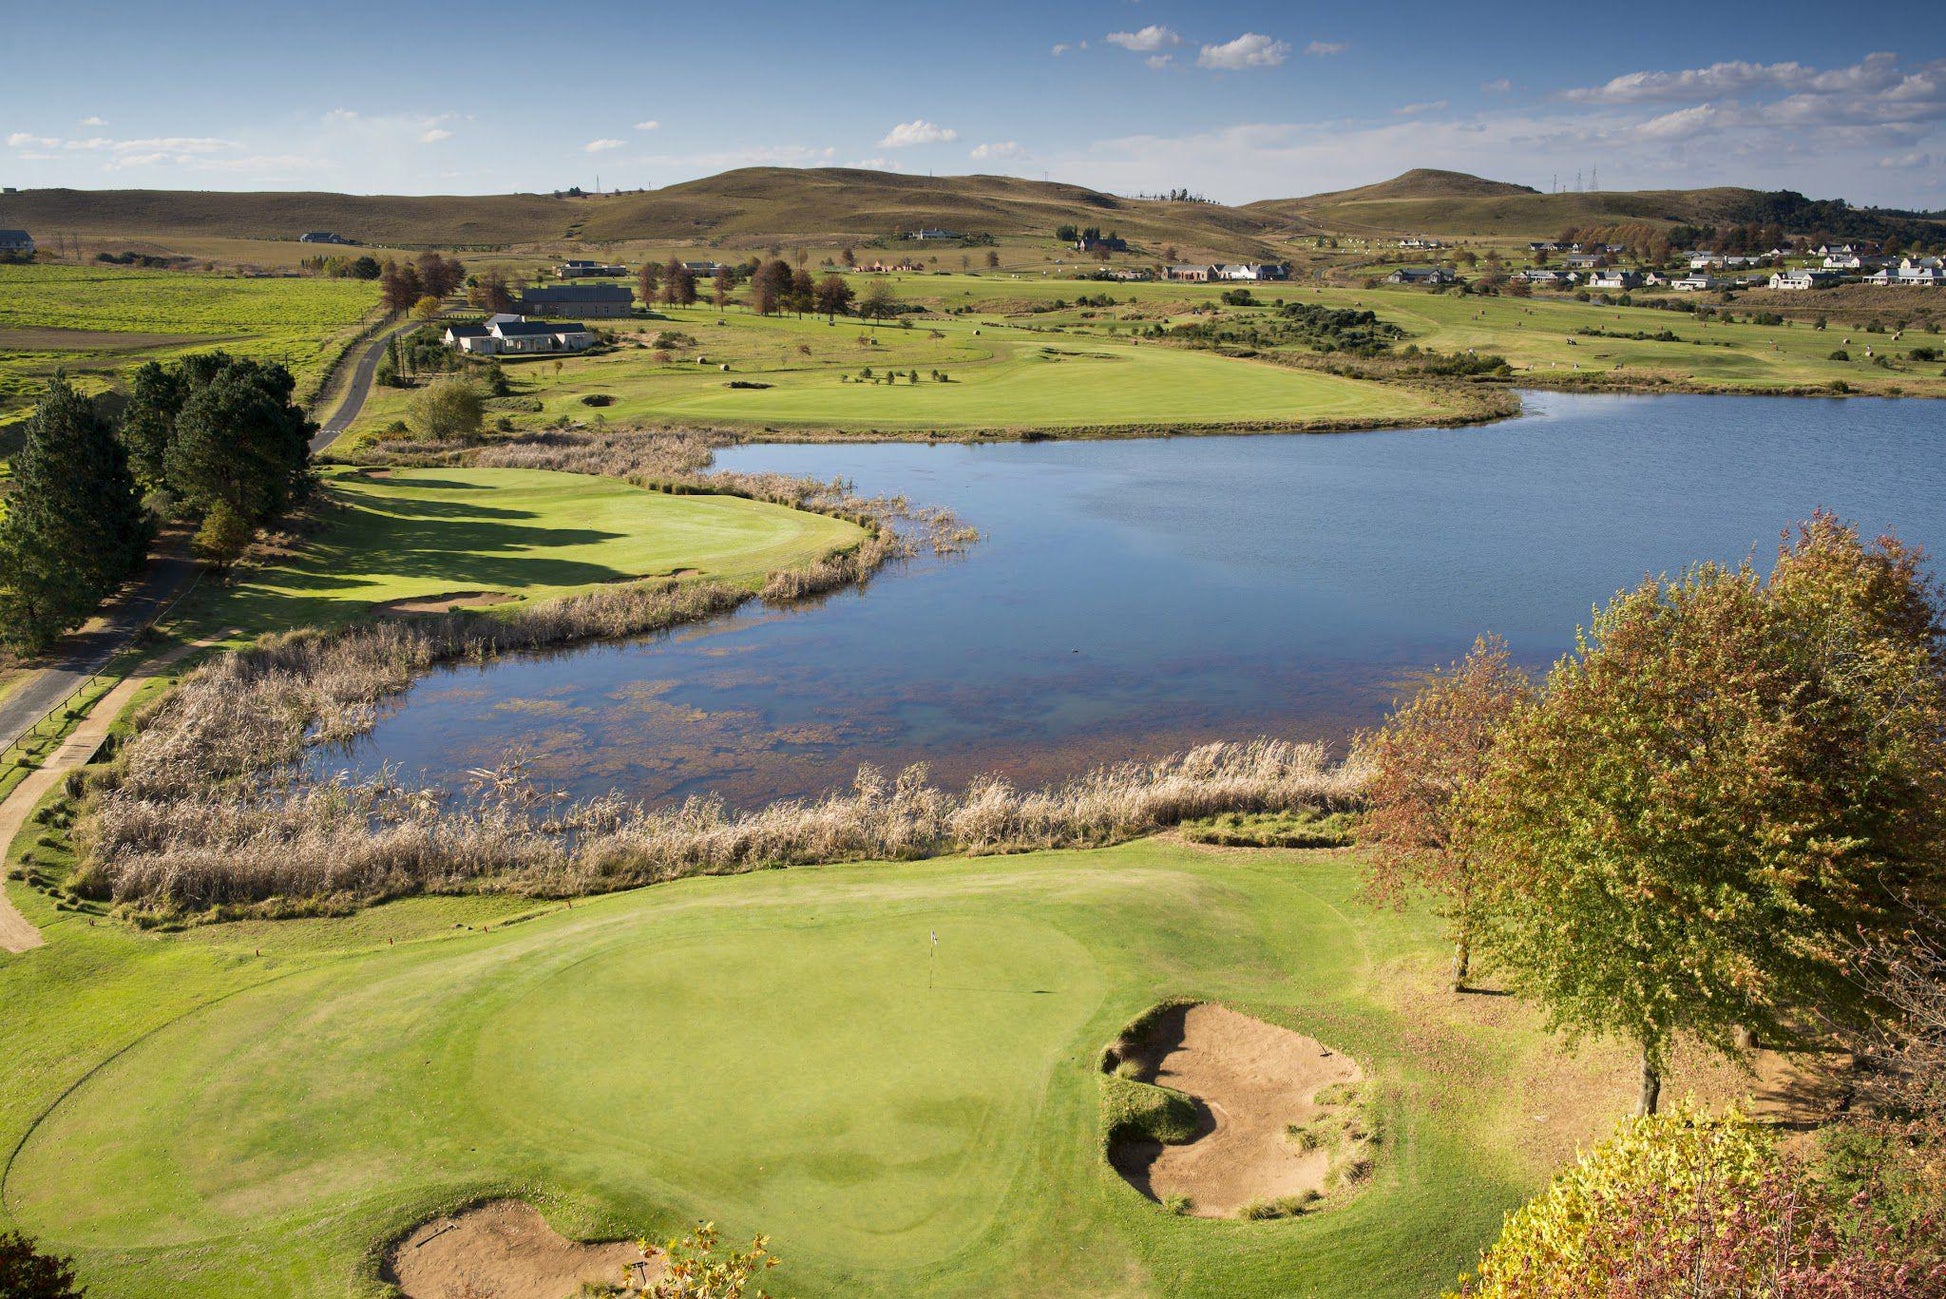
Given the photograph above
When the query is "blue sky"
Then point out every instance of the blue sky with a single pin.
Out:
(1238, 100)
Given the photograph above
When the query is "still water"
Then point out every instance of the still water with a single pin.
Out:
(1132, 598)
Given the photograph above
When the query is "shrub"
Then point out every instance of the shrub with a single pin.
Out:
(1839, 355)
(447, 410)
(1179, 1204)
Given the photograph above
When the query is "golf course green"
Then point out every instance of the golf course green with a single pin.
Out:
(257, 1107)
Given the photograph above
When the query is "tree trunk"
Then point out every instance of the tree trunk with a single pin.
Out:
(1462, 962)
(1651, 1094)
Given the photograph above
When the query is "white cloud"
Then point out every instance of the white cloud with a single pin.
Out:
(1324, 49)
(999, 151)
(435, 135)
(1159, 61)
(649, 125)
(1874, 74)
(1680, 124)
(1412, 110)
(339, 115)
(603, 146)
(917, 131)
(1250, 50)
(94, 121)
(1060, 48)
(1498, 86)
(1153, 37)
(23, 140)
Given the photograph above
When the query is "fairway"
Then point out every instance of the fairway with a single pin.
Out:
(523, 533)
(809, 374)
(255, 1105)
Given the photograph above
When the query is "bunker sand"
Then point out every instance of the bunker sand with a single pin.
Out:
(1251, 1079)
(504, 1249)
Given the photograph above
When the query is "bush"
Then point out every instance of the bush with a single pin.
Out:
(447, 409)
(1307, 828)
(223, 535)
(1840, 355)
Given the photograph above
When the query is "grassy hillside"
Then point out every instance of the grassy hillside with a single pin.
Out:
(1507, 211)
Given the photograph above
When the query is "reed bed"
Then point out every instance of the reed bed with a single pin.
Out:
(344, 844)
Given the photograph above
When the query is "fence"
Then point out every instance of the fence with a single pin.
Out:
(31, 747)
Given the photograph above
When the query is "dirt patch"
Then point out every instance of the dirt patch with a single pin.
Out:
(1267, 1143)
(505, 1250)
(450, 600)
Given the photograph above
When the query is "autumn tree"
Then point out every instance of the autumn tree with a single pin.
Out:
(1427, 759)
(489, 293)
(804, 292)
(832, 296)
(699, 1267)
(678, 284)
(27, 1273)
(647, 280)
(1730, 783)
(400, 286)
(438, 275)
(770, 286)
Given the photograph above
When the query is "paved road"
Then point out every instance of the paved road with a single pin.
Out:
(360, 388)
(81, 655)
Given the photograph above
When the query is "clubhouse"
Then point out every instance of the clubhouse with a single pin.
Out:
(505, 335)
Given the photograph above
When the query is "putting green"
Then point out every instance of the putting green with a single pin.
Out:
(259, 1104)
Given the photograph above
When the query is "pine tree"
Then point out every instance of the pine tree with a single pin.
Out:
(240, 439)
(74, 526)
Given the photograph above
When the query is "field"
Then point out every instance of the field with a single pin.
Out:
(99, 323)
(523, 534)
(763, 1051)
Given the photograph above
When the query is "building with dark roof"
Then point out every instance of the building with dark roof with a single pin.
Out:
(600, 300)
(17, 243)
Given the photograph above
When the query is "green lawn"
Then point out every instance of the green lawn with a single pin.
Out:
(530, 534)
(248, 1107)
(1001, 376)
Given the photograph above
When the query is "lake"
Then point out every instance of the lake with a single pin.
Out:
(1130, 598)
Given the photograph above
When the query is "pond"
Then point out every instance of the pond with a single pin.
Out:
(1130, 598)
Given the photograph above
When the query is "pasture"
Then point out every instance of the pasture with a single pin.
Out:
(99, 323)
(255, 1106)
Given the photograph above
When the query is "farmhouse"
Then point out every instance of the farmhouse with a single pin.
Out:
(1541, 277)
(600, 300)
(1099, 244)
(505, 335)
(1255, 271)
(1696, 283)
(1586, 261)
(1843, 262)
(1912, 273)
(1195, 274)
(1614, 278)
(16, 243)
(935, 234)
(1419, 241)
(1420, 275)
(577, 270)
(1798, 281)
(321, 237)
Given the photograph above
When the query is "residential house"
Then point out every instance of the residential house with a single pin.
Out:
(321, 237)
(1702, 260)
(1615, 278)
(1843, 262)
(582, 270)
(935, 234)
(1196, 274)
(505, 335)
(1110, 244)
(1835, 250)
(1543, 278)
(16, 243)
(1695, 283)
(1256, 271)
(1654, 278)
(1586, 261)
(1419, 241)
(1911, 273)
(704, 270)
(1433, 275)
(1798, 281)
(597, 300)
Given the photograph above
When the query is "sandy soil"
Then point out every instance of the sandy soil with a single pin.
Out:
(1253, 1079)
(450, 600)
(501, 1250)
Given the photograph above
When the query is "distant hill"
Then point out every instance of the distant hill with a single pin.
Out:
(754, 206)
(740, 209)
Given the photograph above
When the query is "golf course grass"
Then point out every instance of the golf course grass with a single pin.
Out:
(254, 1108)
(526, 534)
(997, 376)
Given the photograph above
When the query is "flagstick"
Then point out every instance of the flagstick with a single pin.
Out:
(932, 959)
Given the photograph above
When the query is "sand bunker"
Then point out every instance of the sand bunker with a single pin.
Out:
(1266, 1142)
(450, 600)
(502, 1250)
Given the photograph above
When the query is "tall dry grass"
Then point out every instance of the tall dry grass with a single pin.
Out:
(346, 844)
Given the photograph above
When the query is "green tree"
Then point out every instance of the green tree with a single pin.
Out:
(1731, 784)
(148, 421)
(879, 303)
(223, 535)
(447, 409)
(73, 526)
(241, 439)
(26, 1273)
(1424, 763)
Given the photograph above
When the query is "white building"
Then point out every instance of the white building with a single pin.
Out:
(505, 335)
(1697, 283)
(1797, 281)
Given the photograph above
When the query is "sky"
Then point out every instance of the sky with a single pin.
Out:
(1234, 99)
